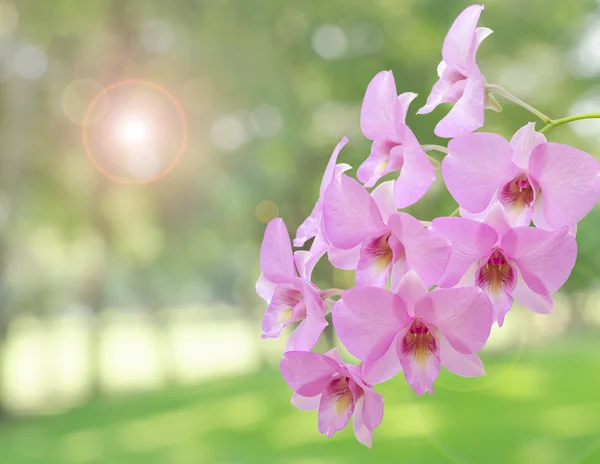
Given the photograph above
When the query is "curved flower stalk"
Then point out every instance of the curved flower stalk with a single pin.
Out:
(479, 263)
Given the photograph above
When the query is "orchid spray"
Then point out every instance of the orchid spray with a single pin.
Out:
(427, 294)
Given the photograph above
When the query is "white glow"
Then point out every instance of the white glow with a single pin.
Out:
(134, 131)
(586, 55)
(29, 62)
(228, 133)
(330, 41)
(157, 36)
(266, 121)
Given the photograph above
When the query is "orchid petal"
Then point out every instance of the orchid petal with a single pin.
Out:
(378, 112)
(384, 368)
(377, 163)
(375, 263)
(461, 38)
(367, 319)
(410, 288)
(536, 302)
(307, 373)
(481, 33)
(363, 434)
(336, 356)
(310, 227)
(467, 114)
(306, 403)
(465, 365)
(384, 198)
(475, 168)
(544, 258)
(404, 101)
(523, 143)
(276, 259)
(285, 307)
(373, 408)
(569, 180)
(265, 288)
(471, 241)
(427, 252)
(416, 176)
(344, 259)
(496, 217)
(349, 213)
(307, 334)
(502, 302)
(421, 366)
(438, 94)
(336, 406)
(307, 260)
(464, 315)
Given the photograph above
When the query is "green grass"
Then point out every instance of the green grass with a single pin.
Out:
(534, 407)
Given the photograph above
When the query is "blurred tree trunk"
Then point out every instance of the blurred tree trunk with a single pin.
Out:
(18, 107)
(118, 61)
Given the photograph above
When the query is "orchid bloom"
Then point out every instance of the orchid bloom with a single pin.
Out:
(461, 81)
(524, 263)
(311, 227)
(337, 390)
(395, 147)
(555, 185)
(291, 298)
(387, 239)
(413, 330)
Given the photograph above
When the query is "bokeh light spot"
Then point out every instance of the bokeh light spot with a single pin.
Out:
(141, 134)
(266, 121)
(29, 62)
(228, 133)
(330, 41)
(266, 210)
(133, 130)
(157, 36)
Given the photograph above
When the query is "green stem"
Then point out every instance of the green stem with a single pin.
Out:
(568, 119)
(439, 148)
(435, 163)
(456, 212)
(492, 88)
(330, 292)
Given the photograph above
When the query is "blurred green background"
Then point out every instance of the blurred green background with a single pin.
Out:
(129, 327)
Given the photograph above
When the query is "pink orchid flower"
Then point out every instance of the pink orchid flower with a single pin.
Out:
(524, 263)
(461, 81)
(555, 185)
(291, 298)
(395, 147)
(387, 239)
(312, 225)
(337, 390)
(414, 331)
